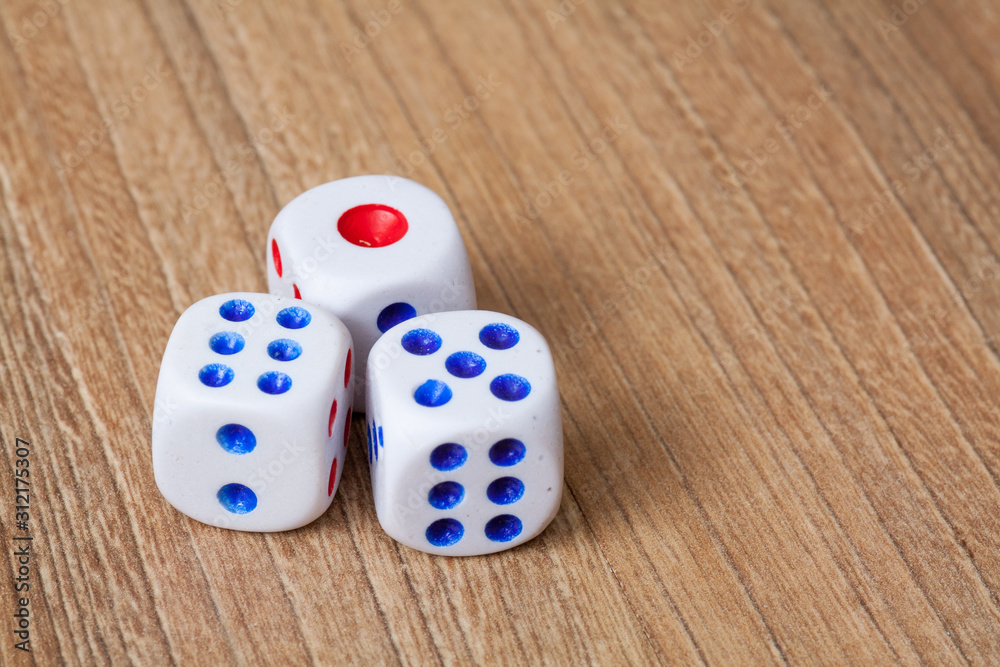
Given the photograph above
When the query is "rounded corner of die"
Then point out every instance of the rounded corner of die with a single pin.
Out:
(389, 523)
(170, 492)
(275, 227)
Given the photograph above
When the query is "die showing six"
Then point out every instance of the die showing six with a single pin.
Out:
(464, 432)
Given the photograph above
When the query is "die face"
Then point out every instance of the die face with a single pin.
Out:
(207, 449)
(464, 433)
(372, 250)
(245, 432)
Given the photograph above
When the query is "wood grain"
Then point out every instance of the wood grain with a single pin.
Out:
(762, 237)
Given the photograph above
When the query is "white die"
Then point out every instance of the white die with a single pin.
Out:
(372, 250)
(252, 412)
(464, 433)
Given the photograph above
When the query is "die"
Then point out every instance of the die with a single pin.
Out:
(253, 412)
(465, 442)
(372, 250)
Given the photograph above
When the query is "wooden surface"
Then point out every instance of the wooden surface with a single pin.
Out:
(761, 237)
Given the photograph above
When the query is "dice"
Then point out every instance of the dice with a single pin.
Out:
(253, 412)
(464, 432)
(372, 250)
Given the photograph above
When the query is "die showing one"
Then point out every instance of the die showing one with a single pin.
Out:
(374, 251)
(465, 439)
(252, 412)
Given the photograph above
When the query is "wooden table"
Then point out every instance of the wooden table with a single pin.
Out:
(761, 237)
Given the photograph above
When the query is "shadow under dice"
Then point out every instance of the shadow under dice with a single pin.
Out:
(374, 251)
(253, 412)
(464, 433)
